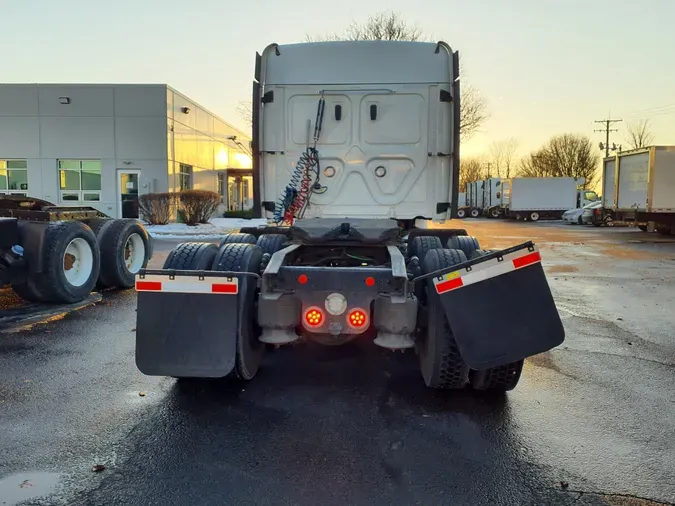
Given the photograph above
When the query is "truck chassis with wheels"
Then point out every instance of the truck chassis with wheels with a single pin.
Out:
(60, 254)
(352, 256)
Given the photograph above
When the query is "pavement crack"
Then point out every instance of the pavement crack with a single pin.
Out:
(642, 501)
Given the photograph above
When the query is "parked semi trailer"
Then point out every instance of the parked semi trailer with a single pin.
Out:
(473, 201)
(532, 198)
(60, 254)
(353, 161)
(639, 186)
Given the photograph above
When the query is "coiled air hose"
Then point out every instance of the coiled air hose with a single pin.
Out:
(304, 180)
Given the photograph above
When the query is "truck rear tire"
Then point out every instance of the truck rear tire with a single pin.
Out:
(461, 213)
(27, 290)
(475, 212)
(441, 363)
(497, 379)
(465, 243)
(533, 216)
(238, 239)
(663, 229)
(422, 244)
(72, 263)
(271, 243)
(493, 212)
(124, 251)
(191, 256)
(250, 351)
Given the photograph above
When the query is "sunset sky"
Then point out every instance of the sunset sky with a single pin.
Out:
(544, 66)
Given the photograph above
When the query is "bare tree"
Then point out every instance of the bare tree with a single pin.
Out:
(638, 134)
(471, 169)
(245, 111)
(391, 26)
(502, 157)
(567, 155)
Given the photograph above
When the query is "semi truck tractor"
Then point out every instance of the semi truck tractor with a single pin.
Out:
(357, 164)
(533, 198)
(491, 196)
(639, 186)
(57, 254)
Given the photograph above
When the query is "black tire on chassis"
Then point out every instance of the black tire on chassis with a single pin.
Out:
(643, 227)
(474, 213)
(461, 213)
(27, 290)
(119, 241)
(466, 243)
(191, 256)
(493, 212)
(52, 283)
(663, 229)
(533, 216)
(422, 244)
(250, 351)
(238, 239)
(441, 364)
(271, 243)
(497, 379)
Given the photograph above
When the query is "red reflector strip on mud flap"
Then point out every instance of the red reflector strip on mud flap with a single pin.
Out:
(187, 284)
(501, 310)
(483, 271)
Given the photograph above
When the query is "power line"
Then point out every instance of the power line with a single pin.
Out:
(607, 129)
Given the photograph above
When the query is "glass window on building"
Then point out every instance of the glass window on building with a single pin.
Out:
(184, 177)
(80, 180)
(14, 177)
(221, 184)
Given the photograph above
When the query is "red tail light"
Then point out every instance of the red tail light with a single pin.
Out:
(314, 317)
(357, 318)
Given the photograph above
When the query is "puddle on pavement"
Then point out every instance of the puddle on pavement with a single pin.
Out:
(23, 486)
(26, 316)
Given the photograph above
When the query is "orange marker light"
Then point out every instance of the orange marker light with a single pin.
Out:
(314, 317)
(357, 318)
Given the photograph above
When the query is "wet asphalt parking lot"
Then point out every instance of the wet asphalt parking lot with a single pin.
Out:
(591, 422)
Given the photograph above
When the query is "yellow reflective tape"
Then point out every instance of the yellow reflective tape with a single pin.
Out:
(451, 275)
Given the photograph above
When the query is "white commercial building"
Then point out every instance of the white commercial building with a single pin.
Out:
(103, 145)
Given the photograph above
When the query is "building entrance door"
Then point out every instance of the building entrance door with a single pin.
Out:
(239, 192)
(127, 191)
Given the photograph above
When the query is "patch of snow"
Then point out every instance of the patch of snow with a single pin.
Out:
(205, 231)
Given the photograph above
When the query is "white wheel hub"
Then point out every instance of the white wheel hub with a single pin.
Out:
(134, 253)
(78, 262)
(534, 216)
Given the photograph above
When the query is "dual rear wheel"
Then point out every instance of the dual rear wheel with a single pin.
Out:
(441, 362)
(77, 256)
(237, 253)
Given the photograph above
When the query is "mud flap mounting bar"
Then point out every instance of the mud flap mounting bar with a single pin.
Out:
(499, 306)
(187, 322)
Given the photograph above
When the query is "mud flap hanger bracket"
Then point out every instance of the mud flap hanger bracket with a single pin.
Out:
(172, 273)
(467, 266)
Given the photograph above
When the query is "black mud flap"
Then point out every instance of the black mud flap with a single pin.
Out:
(187, 323)
(500, 307)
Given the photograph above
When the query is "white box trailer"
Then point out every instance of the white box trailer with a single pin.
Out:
(532, 198)
(474, 201)
(348, 258)
(639, 185)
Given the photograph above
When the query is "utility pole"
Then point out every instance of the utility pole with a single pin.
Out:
(607, 123)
